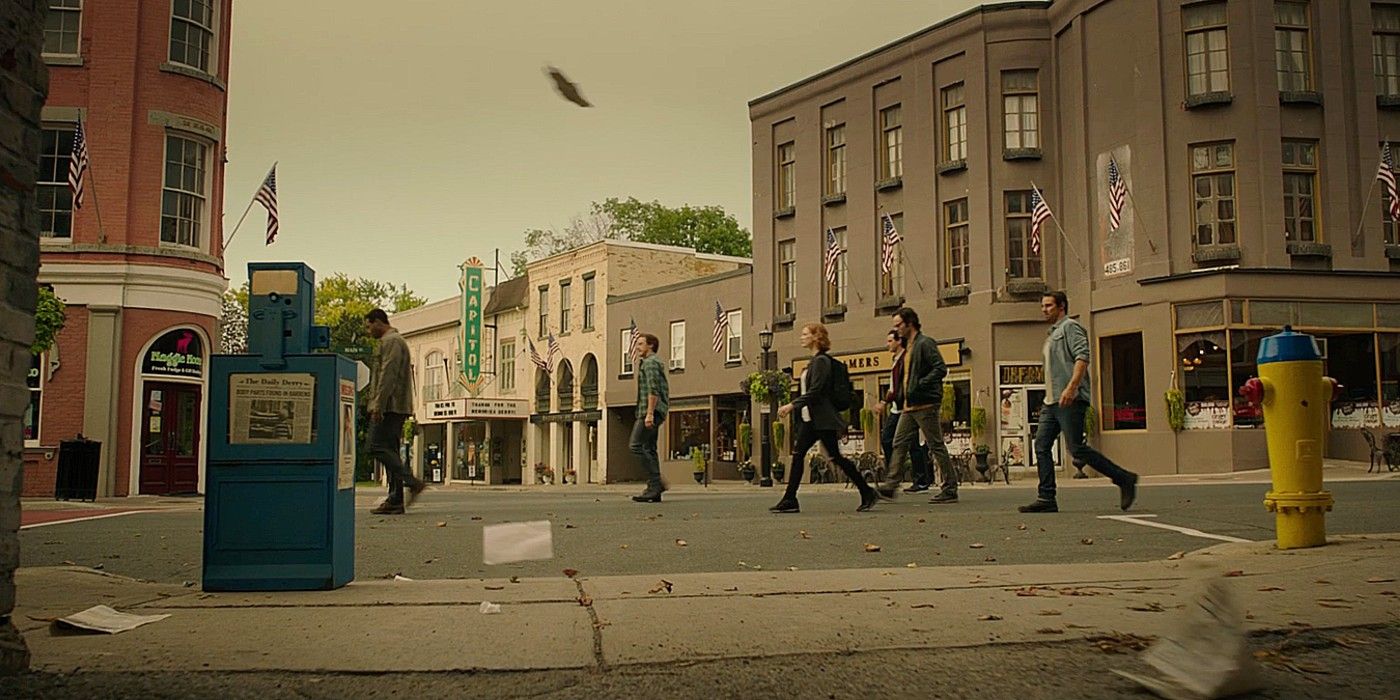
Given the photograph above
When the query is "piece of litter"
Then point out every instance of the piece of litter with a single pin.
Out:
(622, 546)
(515, 579)
(512, 542)
(1177, 555)
(662, 585)
(1087, 540)
(100, 618)
(1378, 579)
(680, 543)
(1234, 574)
(585, 600)
(792, 568)
(872, 547)
(976, 545)
(911, 565)
(989, 618)
(495, 588)
(442, 523)
(569, 527)
(1050, 630)
(489, 608)
(398, 577)
(804, 535)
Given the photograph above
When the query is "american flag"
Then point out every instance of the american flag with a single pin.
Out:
(554, 351)
(535, 357)
(78, 166)
(833, 256)
(721, 327)
(267, 196)
(1040, 211)
(1117, 194)
(889, 238)
(632, 336)
(1386, 174)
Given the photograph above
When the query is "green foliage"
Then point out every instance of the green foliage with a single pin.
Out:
(49, 317)
(764, 384)
(745, 440)
(342, 302)
(867, 421)
(979, 424)
(697, 459)
(1176, 409)
(233, 322)
(949, 407)
(1091, 421)
(779, 430)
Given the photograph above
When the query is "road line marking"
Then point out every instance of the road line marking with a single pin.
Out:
(83, 518)
(1137, 520)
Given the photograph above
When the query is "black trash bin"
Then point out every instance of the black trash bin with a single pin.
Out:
(77, 470)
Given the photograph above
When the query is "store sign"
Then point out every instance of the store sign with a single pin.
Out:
(1207, 415)
(447, 410)
(1021, 375)
(454, 409)
(574, 417)
(179, 353)
(879, 360)
(473, 274)
(1356, 414)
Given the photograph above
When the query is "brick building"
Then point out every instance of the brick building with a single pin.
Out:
(140, 263)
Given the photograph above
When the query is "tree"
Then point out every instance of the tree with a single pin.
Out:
(233, 322)
(706, 229)
(341, 303)
(49, 316)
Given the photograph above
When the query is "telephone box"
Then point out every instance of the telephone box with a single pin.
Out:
(280, 484)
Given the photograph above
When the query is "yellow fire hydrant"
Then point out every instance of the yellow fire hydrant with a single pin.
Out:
(1296, 400)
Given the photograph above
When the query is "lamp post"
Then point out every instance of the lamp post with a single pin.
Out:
(770, 360)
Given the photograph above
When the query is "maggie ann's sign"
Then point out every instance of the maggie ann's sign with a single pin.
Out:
(178, 353)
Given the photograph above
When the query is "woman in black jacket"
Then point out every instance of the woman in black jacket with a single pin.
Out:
(816, 421)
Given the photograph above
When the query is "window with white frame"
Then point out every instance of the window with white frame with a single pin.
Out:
(1385, 48)
(55, 197)
(192, 33)
(677, 359)
(544, 310)
(1213, 182)
(957, 268)
(1022, 262)
(787, 278)
(954, 124)
(1293, 46)
(625, 351)
(566, 289)
(891, 143)
(505, 377)
(184, 199)
(1021, 107)
(787, 175)
(734, 344)
(35, 381)
(836, 293)
(433, 375)
(891, 283)
(1300, 190)
(836, 160)
(590, 301)
(62, 27)
(1207, 49)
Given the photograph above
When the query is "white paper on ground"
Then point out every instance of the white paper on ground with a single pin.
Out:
(511, 542)
(400, 577)
(489, 608)
(100, 618)
(1206, 656)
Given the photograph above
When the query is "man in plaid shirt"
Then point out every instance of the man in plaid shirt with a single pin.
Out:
(653, 400)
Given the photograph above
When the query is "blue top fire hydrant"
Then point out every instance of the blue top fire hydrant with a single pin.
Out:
(1296, 400)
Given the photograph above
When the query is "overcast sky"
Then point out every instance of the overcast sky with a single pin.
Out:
(414, 134)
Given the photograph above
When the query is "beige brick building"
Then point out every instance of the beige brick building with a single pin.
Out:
(1246, 134)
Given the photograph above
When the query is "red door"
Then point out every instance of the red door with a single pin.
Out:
(170, 439)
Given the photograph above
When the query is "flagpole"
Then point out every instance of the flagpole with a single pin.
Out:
(902, 251)
(1366, 204)
(96, 206)
(1133, 199)
(229, 241)
(1060, 228)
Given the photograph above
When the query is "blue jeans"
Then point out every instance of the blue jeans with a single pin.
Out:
(918, 454)
(643, 445)
(1056, 420)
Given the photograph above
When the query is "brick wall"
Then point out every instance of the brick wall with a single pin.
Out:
(23, 84)
(62, 406)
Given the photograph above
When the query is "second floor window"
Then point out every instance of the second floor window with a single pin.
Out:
(1213, 186)
(55, 197)
(1021, 261)
(590, 302)
(787, 176)
(957, 269)
(836, 293)
(1299, 190)
(954, 124)
(891, 143)
(505, 378)
(61, 27)
(836, 160)
(192, 33)
(565, 303)
(183, 200)
(677, 359)
(1292, 46)
(1385, 48)
(1207, 49)
(734, 343)
(787, 278)
(1021, 106)
(433, 374)
(625, 346)
(544, 311)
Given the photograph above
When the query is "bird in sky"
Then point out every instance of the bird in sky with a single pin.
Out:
(567, 90)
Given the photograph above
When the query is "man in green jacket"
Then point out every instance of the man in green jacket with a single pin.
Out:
(653, 401)
(390, 404)
(921, 395)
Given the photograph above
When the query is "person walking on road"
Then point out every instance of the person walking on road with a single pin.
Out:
(1066, 353)
(920, 395)
(889, 406)
(390, 404)
(817, 422)
(653, 401)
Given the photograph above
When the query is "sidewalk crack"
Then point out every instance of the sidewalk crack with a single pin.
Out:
(587, 602)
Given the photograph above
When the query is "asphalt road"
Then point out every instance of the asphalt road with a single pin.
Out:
(599, 531)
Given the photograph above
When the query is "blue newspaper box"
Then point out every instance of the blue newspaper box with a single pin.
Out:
(280, 485)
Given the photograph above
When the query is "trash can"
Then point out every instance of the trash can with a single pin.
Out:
(77, 469)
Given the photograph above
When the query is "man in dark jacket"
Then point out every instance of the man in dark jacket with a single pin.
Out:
(889, 407)
(921, 396)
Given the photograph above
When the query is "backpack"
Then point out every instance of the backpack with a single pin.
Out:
(842, 391)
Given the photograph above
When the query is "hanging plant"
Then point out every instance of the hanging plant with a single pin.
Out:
(979, 423)
(766, 384)
(1176, 409)
(949, 407)
(1091, 422)
(867, 421)
(745, 439)
(779, 431)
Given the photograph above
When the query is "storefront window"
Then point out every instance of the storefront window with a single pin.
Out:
(852, 415)
(1123, 392)
(1351, 360)
(1390, 379)
(726, 438)
(688, 429)
(1203, 366)
(960, 437)
(1244, 349)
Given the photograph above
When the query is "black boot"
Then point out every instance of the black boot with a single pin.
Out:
(868, 499)
(651, 495)
(787, 505)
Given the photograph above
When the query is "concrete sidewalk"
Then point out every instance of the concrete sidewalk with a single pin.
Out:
(606, 622)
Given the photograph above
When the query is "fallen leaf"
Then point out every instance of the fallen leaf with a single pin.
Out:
(1177, 555)
(1119, 642)
(1233, 574)
(429, 561)
(622, 546)
(922, 605)
(1022, 526)
(571, 572)
(922, 520)
(1087, 540)
(495, 588)
(680, 543)
(990, 559)
(732, 589)
(872, 547)
(662, 585)
(1377, 579)
(515, 579)
(476, 517)
(1050, 630)
(1387, 592)
(1049, 612)
(442, 524)
(976, 545)
(911, 565)
(1330, 604)
(1147, 607)
(585, 600)
(804, 534)
(1267, 589)
(989, 618)
(792, 568)
(1323, 581)
(569, 527)
(1027, 591)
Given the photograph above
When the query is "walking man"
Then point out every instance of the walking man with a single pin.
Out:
(390, 404)
(889, 406)
(1066, 353)
(653, 400)
(920, 397)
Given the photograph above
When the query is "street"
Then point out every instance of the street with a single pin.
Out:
(599, 531)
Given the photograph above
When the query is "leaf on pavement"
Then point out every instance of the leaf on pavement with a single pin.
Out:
(1027, 591)
(804, 535)
(1050, 630)
(1050, 612)
(1177, 555)
(662, 585)
(476, 517)
(1235, 573)
(1022, 526)
(731, 589)
(1147, 607)
(990, 559)
(515, 579)
(1267, 589)
(1378, 579)
(623, 546)
(976, 545)
(1333, 604)
(989, 618)
(442, 523)
(872, 547)
(584, 600)
(680, 543)
(495, 588)
(911, 565)
(1121, 642)
(1087, 540)
(922, 605)
(568, 526)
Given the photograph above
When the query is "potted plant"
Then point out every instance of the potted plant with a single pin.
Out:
(746, 468)
(543, 474)
(697, 460)
(979, 437)
(767, 384)
(570, 476)
(779, 430)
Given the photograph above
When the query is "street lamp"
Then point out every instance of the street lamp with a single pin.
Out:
(769, 361)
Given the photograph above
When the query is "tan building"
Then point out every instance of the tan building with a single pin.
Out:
(1250, 201)
(567, 300)
(707, 404)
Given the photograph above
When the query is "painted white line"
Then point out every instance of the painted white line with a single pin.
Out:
(1137, 520)
(80, 519)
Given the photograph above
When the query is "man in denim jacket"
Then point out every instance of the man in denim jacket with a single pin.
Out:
(1066, 353)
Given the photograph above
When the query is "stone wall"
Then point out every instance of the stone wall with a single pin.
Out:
(23, 86)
